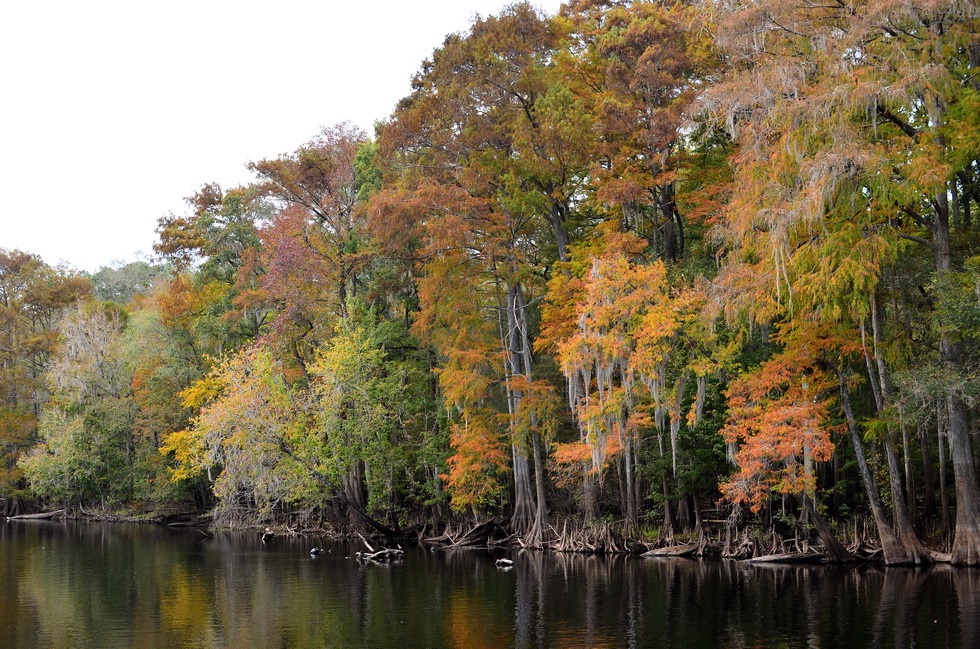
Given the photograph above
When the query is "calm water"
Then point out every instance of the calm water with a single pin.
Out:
(87, 586)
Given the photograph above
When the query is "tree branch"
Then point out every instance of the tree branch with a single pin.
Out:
(912, 237)
(906, 128)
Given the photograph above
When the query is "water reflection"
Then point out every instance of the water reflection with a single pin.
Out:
(140, 586)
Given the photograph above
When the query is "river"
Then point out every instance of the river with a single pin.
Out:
(84, 585)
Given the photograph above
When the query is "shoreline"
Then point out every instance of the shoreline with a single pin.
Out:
(758, 546)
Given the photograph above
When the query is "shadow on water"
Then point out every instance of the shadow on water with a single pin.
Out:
(90, 585)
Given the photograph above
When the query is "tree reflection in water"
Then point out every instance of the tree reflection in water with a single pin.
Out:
(119, 586)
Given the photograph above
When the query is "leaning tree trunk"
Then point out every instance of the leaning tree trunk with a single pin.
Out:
(894, 551)
(914, 552)
(903, 521)
(834, 549)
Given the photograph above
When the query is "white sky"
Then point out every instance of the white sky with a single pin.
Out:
(112, 111)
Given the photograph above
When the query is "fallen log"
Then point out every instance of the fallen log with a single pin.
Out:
(480, 535)
(384, 555)
(381, 556)
(672, 551)
(792, 557)
(36, 517)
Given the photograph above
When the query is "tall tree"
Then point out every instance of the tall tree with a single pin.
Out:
(220, 296)
(87, 451)
(838, 112)
(317, 189)
(614, 321)
(33, 296)
(637, 67)
(489, 149)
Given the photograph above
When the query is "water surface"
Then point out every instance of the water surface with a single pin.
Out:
(91, 585)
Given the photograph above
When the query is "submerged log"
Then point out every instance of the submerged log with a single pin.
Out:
(672, 551)
(37, 517)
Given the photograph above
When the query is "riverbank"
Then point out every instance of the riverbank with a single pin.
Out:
(168, 515)
(753, 542)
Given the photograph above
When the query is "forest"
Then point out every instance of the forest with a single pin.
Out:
(638, 272)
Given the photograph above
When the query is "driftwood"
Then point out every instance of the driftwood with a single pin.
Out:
(481, 534)
(792, 557)
(381, 556)
(672, 551)
(37, 517)
(488, 534)
(384, 555)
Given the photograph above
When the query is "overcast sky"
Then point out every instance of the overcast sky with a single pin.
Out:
(112, 111)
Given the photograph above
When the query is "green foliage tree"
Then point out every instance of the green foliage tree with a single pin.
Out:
(32, 298)
(86, 452)
(120, 283)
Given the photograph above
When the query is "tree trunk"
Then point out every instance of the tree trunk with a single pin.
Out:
(893, 549)
(524, 507)
(914, 552)
(632, 515)
(928, 483)
(590, 496)
(966, 542)
(696, 508)
(519, 346)
(910, 499)
(354, 487)
(539, 532)
(904, 529)
(670, 522)
(557, 221)
(942, 425)
(683, 514)
(834, 549)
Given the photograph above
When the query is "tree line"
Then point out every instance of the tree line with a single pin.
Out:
(645, 265)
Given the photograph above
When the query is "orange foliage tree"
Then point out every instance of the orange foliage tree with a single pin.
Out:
(614, 321)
